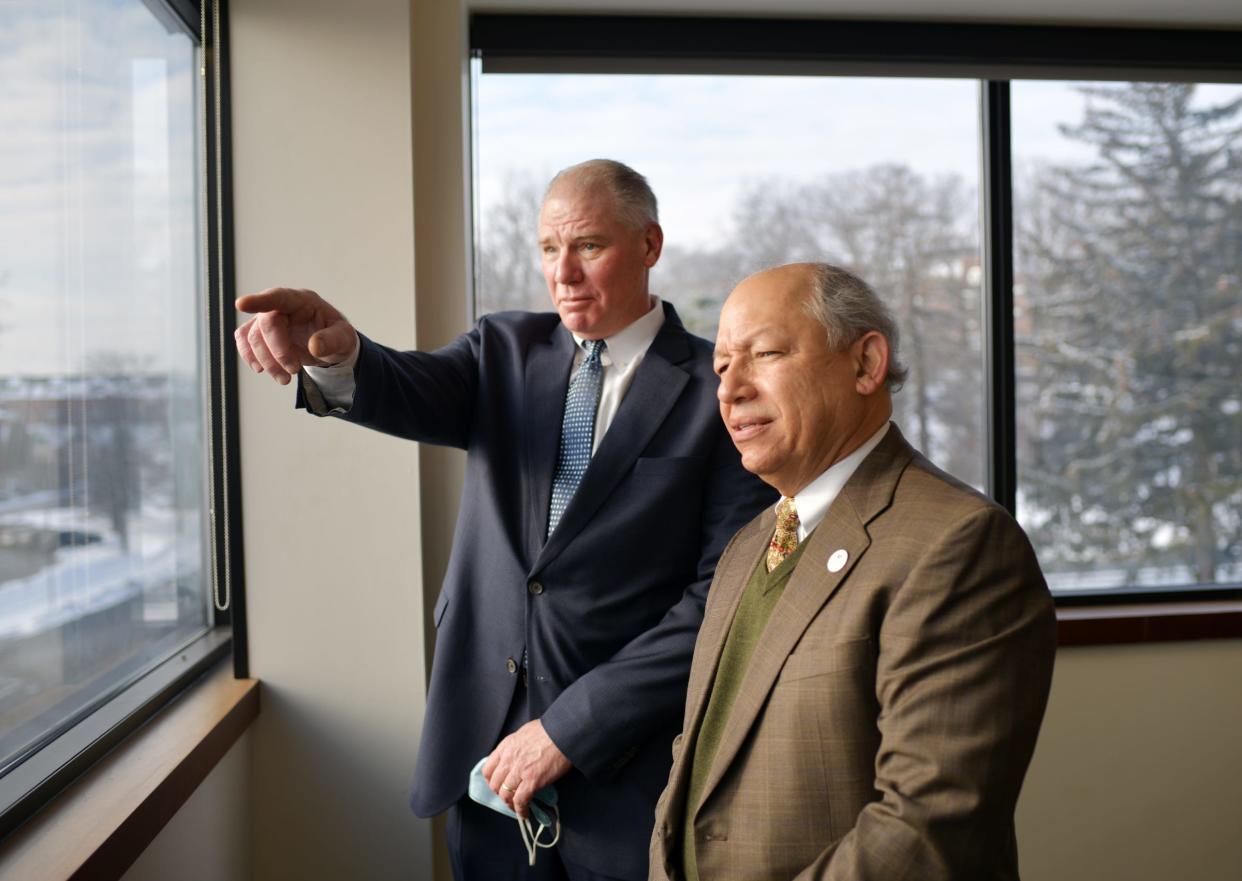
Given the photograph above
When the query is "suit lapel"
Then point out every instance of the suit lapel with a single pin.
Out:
(546, 382)
(657, 385)
(844, 528)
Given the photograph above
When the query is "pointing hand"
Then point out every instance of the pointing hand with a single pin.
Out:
(291, 329)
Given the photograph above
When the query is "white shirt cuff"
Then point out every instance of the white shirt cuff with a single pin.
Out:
(336, 382)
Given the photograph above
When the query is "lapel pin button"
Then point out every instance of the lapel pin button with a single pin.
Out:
(837, 561)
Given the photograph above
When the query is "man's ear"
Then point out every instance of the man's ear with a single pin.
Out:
(871, 360)
(653, 240)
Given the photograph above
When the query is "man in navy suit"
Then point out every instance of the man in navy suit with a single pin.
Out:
(601, 488)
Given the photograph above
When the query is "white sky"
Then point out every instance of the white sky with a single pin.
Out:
(699, 138)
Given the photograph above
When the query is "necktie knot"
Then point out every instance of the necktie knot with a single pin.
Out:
(785, 537)
(594, 349)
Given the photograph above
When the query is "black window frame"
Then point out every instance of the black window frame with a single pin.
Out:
(31, 785)
(994, 54)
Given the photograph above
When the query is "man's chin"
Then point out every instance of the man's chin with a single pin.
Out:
(755, 465)
(580, 321)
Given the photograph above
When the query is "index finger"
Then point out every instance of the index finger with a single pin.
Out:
(272, 300)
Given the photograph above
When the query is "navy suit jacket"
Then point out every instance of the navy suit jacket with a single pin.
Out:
(607, 608)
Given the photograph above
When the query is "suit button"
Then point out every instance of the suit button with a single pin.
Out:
(535, 588)
(511, 665)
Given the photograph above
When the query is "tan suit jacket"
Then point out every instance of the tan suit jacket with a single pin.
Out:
(890, 710)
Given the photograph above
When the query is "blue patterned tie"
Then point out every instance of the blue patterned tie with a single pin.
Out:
(577, 430)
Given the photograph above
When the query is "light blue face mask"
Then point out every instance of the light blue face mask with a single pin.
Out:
(542, 807)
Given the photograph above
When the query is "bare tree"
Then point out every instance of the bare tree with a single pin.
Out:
(508, 269)
(914, 239)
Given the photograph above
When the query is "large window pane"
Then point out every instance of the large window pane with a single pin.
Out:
(102, 484)
(1128, 218)
(879, 175)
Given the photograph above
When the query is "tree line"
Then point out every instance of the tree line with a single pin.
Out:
(1128, 318)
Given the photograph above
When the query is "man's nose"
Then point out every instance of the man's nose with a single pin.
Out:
(734, 387)
(568, 270)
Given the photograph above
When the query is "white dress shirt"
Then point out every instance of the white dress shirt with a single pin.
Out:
(620, 359)
(815, 500)
(621, 356)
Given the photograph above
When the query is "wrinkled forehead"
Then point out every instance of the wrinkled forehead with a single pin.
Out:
(567, 221)
(763, 308)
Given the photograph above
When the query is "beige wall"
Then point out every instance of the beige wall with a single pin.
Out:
(209, 838)
(441, 234)
(1138, 766)
(324, 199)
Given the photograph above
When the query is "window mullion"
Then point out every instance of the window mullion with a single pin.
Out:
(997, 216)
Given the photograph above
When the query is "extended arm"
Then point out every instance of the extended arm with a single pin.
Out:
(424, 396)
(421, 396)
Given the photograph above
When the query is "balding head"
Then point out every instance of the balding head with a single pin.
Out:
(630, 194)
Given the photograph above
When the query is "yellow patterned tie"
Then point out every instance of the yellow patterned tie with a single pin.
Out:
(785, 538)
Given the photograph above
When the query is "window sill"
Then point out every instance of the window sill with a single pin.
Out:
(99, 825)
(1148, 622)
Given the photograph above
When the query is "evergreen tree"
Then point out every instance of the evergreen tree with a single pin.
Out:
(1130, 338)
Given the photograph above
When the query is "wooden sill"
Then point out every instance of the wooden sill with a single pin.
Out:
(1164, 622)
(97, 827)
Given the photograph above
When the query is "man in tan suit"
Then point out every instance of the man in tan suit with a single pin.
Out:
(876, 653)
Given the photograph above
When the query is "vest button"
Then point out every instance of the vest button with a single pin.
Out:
(535, 588)
(511, 665)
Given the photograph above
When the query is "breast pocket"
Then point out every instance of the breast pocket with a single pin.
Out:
(823, 659)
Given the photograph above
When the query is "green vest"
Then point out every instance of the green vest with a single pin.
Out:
(762, 592)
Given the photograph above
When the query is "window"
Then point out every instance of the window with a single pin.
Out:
(1066, 272)
(1128, 318)
(105, 542)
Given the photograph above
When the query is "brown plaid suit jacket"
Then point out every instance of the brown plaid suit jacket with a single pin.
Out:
(890, 710)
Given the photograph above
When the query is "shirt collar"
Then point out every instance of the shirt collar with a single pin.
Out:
(813, 502)
(632, 341)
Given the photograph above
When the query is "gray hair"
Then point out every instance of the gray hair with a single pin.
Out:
(635, 202)
(849, 309)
